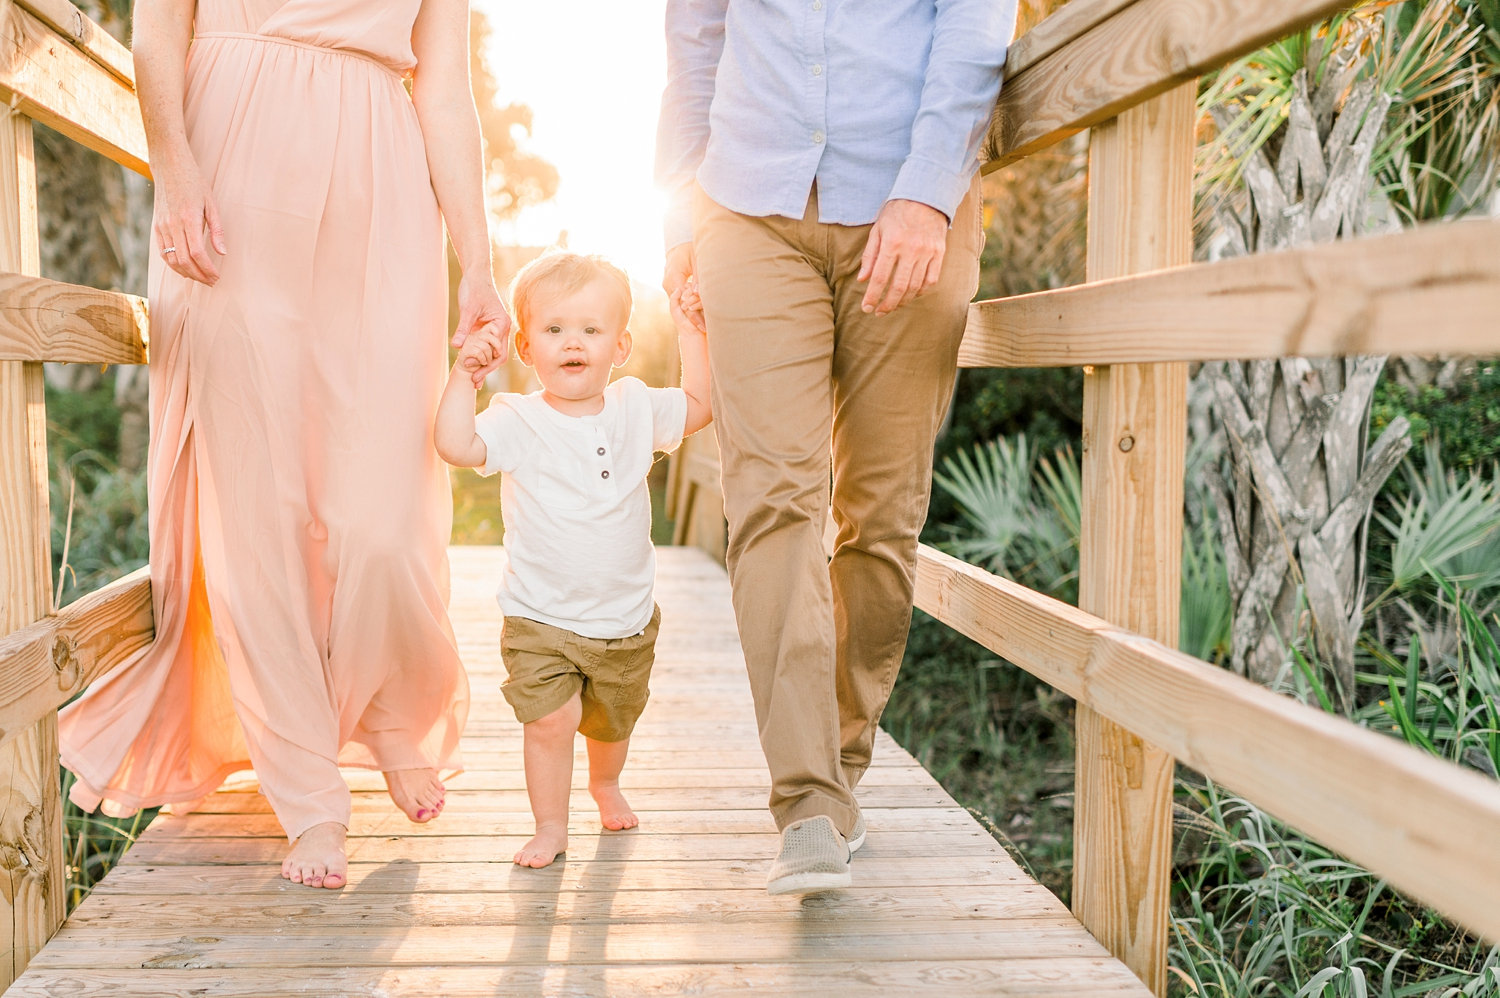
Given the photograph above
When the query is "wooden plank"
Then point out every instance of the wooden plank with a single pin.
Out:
(1147, 48)
(1420, 822)
(410, 877)
(787, 939)
(491, 824)
(46, 78)
(641, 798)
(1054, 977)
(98, 44)
(47, 320)
(1058, 29)
(1130, 555)
(31, 821)
(648, 845)
(1431, 290)
(985, 902)
(43, 665)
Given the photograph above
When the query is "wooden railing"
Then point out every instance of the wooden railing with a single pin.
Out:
(1127, 69)
(59, 68)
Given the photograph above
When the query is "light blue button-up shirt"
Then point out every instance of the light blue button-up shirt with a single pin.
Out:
(873, 99)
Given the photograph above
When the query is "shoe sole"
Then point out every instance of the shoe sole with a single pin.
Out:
(809, 883)
(855, 843)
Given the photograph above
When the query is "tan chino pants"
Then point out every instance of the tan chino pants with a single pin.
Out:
(808, 390)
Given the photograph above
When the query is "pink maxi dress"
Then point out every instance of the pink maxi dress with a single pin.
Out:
(299, 514)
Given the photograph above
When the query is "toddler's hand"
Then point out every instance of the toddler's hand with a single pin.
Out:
(687, 308)
(483, 347)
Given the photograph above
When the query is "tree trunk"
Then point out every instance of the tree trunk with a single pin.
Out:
(1295, 513)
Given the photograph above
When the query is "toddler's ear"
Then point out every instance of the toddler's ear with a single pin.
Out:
(622, 349)
(521, 343)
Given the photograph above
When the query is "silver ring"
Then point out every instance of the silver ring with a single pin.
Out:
(169, 249)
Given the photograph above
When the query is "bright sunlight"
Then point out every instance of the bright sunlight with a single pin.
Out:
(592, 72)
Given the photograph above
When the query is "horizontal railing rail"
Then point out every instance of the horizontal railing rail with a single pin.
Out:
(1096, 58)
(1431, 290)
(45, 664)
(82, 90)
(1422, 823)
(42, 320)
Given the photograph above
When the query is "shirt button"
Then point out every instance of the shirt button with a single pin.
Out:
(601, 451)
(817, 70)
(817, 4)
(603, 474)
(817, 138)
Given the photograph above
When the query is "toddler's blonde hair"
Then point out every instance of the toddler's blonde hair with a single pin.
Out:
(560, 272)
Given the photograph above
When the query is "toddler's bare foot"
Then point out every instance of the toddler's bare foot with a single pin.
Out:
(417, 792)
(549, 842)
(317, 858)
(614, 812)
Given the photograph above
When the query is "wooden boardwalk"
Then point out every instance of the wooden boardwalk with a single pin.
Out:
(676, 907)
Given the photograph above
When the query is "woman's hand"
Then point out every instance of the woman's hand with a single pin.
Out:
(480, 308)
(187, 223)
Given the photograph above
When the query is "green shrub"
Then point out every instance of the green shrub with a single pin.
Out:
(1464, 421)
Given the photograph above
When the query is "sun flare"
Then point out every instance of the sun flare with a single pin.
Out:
(592, 72)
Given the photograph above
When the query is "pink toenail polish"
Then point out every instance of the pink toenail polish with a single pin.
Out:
(421, 814)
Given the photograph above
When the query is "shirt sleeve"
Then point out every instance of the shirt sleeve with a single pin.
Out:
(695, 41)
(668, 417)
(969, 41)
(504, 433)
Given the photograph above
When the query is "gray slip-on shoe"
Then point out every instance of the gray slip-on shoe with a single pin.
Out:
(857, 836)
(814, 857)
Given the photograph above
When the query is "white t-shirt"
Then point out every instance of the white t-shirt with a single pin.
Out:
(575, 504)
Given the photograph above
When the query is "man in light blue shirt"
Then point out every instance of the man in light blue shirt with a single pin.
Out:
(821, 158)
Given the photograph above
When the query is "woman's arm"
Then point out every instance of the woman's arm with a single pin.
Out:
(184, 206)
(450, 129)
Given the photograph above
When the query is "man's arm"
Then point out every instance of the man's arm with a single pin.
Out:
(904, 256)
(695, 40)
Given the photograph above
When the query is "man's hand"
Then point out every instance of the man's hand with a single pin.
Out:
(680, 269)
(904, 255)
(479, 307)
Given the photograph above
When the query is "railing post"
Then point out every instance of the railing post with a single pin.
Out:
(31, 847)
(1134, 443)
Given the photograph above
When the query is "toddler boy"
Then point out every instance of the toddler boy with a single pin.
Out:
(580, 622)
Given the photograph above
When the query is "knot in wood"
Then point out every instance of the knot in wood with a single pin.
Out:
(1127, 443)
(65, 661)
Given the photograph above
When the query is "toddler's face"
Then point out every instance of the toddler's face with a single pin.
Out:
(572, 341)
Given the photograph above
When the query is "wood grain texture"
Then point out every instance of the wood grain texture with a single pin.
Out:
(1067, 977)
(1058, 29)
(1130, 548)
(74, 25)
(43, 76)
(31, 852)
(676, 906)
(1430, 290)
(1420, 822)
(46, 320)
(1144, 49)
(43, 665)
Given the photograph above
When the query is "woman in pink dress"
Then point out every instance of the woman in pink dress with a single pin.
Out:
(299, 514)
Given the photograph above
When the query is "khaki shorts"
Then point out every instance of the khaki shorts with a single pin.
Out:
(547, 665)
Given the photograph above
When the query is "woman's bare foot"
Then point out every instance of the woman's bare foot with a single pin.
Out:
(417, 792)
(549, 842)
(317, 857)
(614, 812)
(184, 807)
